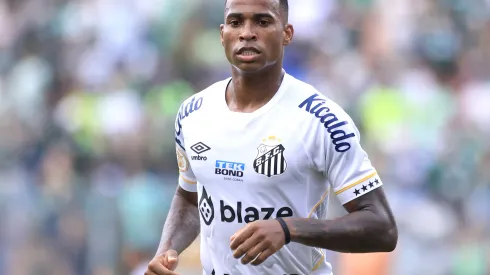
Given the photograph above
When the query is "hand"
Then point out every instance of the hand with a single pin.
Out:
(164, 264)
(260, 238)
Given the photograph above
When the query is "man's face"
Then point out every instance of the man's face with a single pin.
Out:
(254, 33)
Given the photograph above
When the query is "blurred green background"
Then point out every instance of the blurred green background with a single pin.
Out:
(89, 90)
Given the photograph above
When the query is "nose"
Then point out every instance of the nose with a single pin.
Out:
(248, 33)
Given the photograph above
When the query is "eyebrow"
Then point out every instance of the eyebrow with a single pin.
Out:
(256, 15)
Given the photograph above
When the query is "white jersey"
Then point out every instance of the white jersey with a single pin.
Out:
(280, 161)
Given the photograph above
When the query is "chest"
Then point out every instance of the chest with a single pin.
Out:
(257, 153)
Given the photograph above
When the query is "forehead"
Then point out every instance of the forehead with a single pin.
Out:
(252, 6)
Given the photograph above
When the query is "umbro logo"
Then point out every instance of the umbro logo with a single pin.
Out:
(199, 148)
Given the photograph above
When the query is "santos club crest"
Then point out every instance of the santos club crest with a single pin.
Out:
(270, 159)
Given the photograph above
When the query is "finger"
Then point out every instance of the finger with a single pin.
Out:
(172, 263)
(240, 237)
(160, 269)
(149, 272)
(251, 254)
(237, 233)
(171, 259)
(263, 256)
(246, 246)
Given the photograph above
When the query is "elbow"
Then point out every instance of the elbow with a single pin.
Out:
(390, 238)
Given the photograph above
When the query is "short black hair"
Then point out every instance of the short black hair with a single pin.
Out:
(283, 4)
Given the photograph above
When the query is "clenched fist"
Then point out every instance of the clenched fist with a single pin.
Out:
(164, 264)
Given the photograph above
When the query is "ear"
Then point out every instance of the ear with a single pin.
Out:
(221, 27)
(288, 34)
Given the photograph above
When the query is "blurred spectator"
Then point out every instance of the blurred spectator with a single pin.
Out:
(89, 91)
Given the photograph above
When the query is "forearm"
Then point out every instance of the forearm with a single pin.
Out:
(358, 232)
(181, 227)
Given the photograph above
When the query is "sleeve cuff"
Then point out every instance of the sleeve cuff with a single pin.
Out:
(358, 188)
(187, 184)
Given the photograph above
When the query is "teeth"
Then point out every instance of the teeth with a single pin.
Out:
(248, 52)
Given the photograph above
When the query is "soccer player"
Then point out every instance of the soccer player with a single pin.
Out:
(258, 154)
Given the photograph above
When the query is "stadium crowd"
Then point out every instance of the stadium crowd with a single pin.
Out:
(89, 90)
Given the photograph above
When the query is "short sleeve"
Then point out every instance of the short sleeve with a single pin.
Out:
(334, 148)
(348, 167)
(187, 179)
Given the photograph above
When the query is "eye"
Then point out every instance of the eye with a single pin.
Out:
(234, 23)
(264, 23)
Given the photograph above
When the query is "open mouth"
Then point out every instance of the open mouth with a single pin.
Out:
(248, 54)
(248, 51)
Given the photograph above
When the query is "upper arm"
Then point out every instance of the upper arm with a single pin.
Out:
(349, 170)
(375, 202)
(188, 196)
(187, 179)
(381, 216)
(336, 152)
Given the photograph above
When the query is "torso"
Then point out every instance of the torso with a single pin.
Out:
(254, 166)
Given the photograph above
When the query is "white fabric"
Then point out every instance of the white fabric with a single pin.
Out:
(281, 160)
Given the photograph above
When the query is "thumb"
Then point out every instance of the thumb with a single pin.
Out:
(172, 259)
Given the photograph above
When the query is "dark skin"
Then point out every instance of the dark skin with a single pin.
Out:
(181, 229)
(186, 213)
(369, 226)
(261, 25)
(256, 24)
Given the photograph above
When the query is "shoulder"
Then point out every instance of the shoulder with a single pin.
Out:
(322, 115)
(202, 100)
(207, 95)
(199, 102)
(314, 105)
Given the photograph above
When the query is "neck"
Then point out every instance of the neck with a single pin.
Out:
(249, 91)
